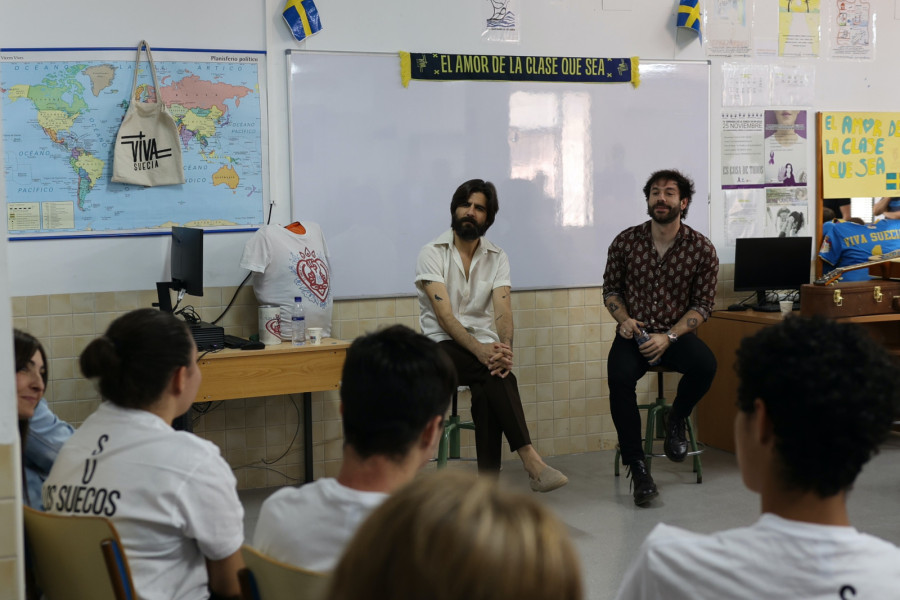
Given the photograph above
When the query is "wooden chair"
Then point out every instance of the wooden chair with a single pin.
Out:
(74, 558)
(265, 578)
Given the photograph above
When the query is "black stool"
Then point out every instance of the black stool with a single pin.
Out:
(656, 431)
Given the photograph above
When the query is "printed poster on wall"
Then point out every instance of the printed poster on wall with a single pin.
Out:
(785, 147)
(727, 30)
(742, 148)
(860, 154)
(745, 213)
(798, 28)
(851, 29)
(764, 169)
(501, 20)
(787, 213)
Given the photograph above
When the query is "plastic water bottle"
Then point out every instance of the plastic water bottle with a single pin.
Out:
(641, 339)
(298, 323)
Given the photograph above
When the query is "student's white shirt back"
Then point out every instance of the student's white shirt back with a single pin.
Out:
(773, 558)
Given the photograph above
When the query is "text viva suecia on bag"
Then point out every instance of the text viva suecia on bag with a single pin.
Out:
(148, 149)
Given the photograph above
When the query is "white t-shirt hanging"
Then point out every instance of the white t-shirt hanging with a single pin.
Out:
(288, 264)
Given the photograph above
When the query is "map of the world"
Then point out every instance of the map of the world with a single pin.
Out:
(61, 113)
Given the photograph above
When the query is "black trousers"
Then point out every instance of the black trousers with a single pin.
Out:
(496, 407)
(626, 365)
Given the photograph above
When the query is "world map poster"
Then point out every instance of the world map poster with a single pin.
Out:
(61, 110)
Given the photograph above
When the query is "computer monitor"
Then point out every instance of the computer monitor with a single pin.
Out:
(186, 267)
(772, 263)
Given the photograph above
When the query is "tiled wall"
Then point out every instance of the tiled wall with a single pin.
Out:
(562, 338)
(10, 522)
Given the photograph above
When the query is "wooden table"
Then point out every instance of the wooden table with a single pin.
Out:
(283, 369)
(723, 333)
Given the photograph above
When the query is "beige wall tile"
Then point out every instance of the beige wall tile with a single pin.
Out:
(9, 471)
(562, 339)
(8, 574)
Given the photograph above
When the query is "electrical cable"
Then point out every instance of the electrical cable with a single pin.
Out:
(234, 297)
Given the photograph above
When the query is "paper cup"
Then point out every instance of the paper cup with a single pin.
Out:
(315, 335)
(787, 306)
(269, 324)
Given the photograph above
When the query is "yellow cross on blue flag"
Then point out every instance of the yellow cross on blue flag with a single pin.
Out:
(302, 17)
(689, 15)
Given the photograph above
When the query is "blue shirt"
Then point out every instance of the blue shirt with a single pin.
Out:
(46, 435)
(845, 243)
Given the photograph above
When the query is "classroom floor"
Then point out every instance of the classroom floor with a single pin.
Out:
(608, 529)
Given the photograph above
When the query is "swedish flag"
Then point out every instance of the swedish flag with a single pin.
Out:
(302, 17)
(689, 15)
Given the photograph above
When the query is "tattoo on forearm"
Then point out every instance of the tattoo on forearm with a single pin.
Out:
(692, 323)
(438, 298)
(613, 307)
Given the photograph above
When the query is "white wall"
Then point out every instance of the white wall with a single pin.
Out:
(549, 27)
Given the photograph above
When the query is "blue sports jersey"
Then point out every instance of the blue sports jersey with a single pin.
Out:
(845, 244)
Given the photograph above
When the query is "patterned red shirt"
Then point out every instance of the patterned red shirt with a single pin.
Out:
(658, 291)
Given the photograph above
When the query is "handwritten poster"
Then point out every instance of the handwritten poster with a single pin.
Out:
(860, 154)
(851, 31)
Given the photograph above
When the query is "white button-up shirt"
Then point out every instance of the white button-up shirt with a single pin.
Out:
(470, 299)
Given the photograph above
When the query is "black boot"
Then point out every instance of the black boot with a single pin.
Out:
(644, 490)
(676, 445)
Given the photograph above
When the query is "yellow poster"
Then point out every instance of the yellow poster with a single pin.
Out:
(860, 154)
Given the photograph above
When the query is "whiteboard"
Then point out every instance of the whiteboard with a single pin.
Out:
(376, 164)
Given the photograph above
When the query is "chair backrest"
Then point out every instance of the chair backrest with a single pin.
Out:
(77, 557)
(268, 579)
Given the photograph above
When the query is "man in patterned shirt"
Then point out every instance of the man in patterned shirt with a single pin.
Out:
(661, 278)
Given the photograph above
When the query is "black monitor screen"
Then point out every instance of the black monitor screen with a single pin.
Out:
(775, 263)
(187, 260)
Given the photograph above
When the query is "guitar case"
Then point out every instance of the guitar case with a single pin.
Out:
(830, 297)
(851, 298)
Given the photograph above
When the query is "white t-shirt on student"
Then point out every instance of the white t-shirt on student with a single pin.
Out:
(310, 526)
(287, 265)
(773, 558)
(170, 494)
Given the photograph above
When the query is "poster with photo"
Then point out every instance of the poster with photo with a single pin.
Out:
(787, 212)
(785, 147)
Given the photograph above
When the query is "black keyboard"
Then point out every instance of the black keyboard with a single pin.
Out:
(233, 341)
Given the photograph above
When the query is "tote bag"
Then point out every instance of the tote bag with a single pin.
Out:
(148, 150)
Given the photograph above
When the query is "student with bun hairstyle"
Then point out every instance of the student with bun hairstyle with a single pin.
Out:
(170, 494)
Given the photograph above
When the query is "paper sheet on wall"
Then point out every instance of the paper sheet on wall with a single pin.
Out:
(745, 213)
(850, 29)
(793, 85)
(742, 148)
(787, 212)
(798, 28)
(501, 20)
(727, 28)
(745, 85)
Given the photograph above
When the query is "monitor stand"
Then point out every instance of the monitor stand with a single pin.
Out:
(164, 298)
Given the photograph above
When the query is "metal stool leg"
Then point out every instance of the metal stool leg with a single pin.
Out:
(449, 446)
(655, 430)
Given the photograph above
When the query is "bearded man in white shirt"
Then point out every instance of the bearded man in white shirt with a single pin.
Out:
(463, 286)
